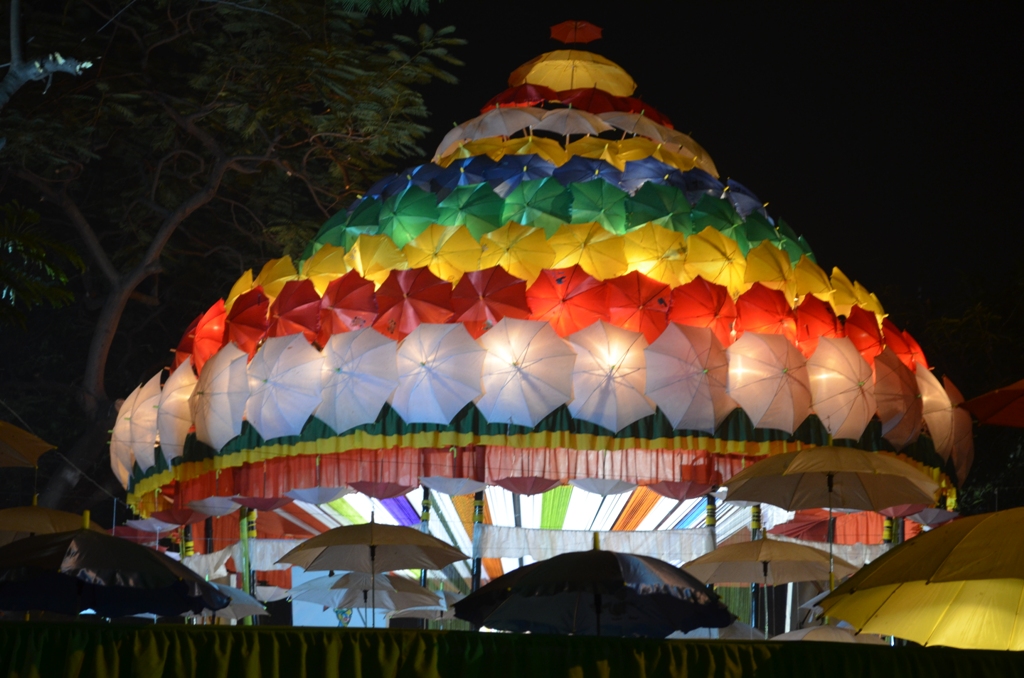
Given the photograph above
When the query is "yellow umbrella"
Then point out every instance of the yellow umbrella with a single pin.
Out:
(960, 585)
(326, 265)
(635, 148)
(717, 259)
(523, 251)
(241, 286)
(844, 297)
(566, 69)
(657, 252)
(491, 147)
(770, 266)
(274, 275)
(19, 448)
(549, 149)
(598, 251)
(39, 520)
(810, 279)
(374, 257)
(868, 301)
(599, 149)
(448, 251)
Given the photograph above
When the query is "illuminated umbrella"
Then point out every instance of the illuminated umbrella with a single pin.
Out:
(641, 172)
(359, 374)
(599, 202)
(438, 373)
(284, 386)
(656, 252)
(443, 609)
(591, 247)
(358, 589)
(122, 460)
(523, 251)
(218, 401)
(142, 423)
(374, 257)
(592, 99)
(768, 379)
(296, 310)
(937, 411)
(568, 69)
(639, 304)
(700, 303)
(1001, 407)
(527, 372)
(765, 561)
(209, 334)
(571, 32)
(274, 275)
(543, 203)
(844, 297)
(462, 172)
(811, 280)
(448, 251)
(566, 121)
(814, 320)
(503, 122)
(512, 170)
(717, 259)
(548, 149)
(372, 548)
(348, 304)
(568, 298)
(478, 208)
(723, 217)
(830, 634)
(240, 286)
(609, 375)
(174, 418)
(179, 516)
(770, 266)
(861, 328)
(214, 506)
(842, 391)
(687, 373)
(523, 95)
(405, 215)
(578, 170)
(247, 320)
(765, 311)
(23, 521)
(408, 298)
(482, 298)
(637, 123)
(602, 149)
(903, 345)
(963, 432)
(326, 264)
(898, 399)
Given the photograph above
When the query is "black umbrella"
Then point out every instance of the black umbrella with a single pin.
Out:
(69, 572)
(594, 593)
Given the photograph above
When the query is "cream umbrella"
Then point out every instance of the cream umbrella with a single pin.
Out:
(638, 123)
(963, 432)
(218, 401)
(438, 373)
(687, 374)
(609, 375)
(830, 634)
(173, 419)
(765, 561)
(142, 423)
(372, 548)
(527, 372)
(566, 121)
(443, 610)
(122, 459)
(357, 589)
(318, 495)
(937, 411)
(842, 390)
(898, 400)
(284, 386)
(359, 374)
(500, 122)
(214, 506)
(452, 486)
(242, 605)
(768, 379)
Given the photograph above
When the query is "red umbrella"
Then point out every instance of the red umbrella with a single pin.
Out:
(914, 353)
(247, 321)
(349, 303)
(765, 311)
(571, 32)
(634, 105)
(700, 303)
(180, 516)
(639, 304)
(263, 503)
(482, 298)
(814, 319)
(184, 349)
(521, 95)
(408, 298)
(861, 328)
(591, 100)
(210, 335)
(380, 489)
(568, 298)
(681, 490)
(902, 510)
(1001, 407)
(296, 310)
(528, 485)
(896, 343)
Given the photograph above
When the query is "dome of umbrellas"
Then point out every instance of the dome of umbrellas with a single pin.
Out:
(569, 292)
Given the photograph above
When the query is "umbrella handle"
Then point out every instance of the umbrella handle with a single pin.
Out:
(597, 612)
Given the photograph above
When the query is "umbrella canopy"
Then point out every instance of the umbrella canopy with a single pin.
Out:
(542, 203)
(639, 304)
(595, 593)
(937, 411)
(830, 634)
(174, 419)
(898, 400)
(438, 373)
(770, 266)
(601, 203)
(609, 376)
(687, 373)
(478, 208)
(247, 320)
(218, 401)
(448, 251)
(869, 481)
(359, 374)
(274, 275)
(372, 548)
(527, 372)
(209, 334)
(296, 310)
(374, 257)
(717, 259)
(241, 604)
(959, 585)
(523, 95)
(568, 298)
(861, 328)
(566, 121)
(142, 423)
(19, 448)
(657, 252)
(765, 311)
(284, 386)
(700, 303)
(734, 631)
(571, 32)
(357, 589)
(768, 379)
(23, 521)
(814, 320)
(637, 123)
(810, 279)
(405, 215)
(318, 495)
(1001, 407)
(569, 69)
(591, 247)
(842, 390)
(326, 265)
(348, 304)
(484, 297)
(765, 560)
(963, 433)
(577, 170)
(408, 298)
(443, 609)
(69, 572)
(523, 251)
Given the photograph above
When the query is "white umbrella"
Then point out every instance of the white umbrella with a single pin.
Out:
(898, 400)
(500, 122)
(637, 123)
(142, 423)
(830, 634)
(608, 379)
(439, 373)
(566, 121)
(241, 605)
(452, 486)
(269, 594)
(687, 374)
(602, 486)
(359, 375)
(284, 386)
(173, 419)
(445, 609)
(734, 631)
(318, 495)
(768, 379)
(214, 506)
(842, 390)
(963, 432)
(358, 589)
(218, 401)
(122, 459)
(527, 372)
(937, 411)
(154, 525)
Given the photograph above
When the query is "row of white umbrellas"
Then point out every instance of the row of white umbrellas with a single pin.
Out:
(520, 371)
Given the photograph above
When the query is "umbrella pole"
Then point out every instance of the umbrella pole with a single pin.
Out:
(373, 575)
(764, 594)
(831, 538)
(478, 519)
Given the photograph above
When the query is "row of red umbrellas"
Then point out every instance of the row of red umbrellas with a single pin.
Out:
(589, 99)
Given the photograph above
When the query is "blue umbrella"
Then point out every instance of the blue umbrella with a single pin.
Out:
(639, 172)
(419, 176)
(579, 169)
(743, 199)
(513, 169)
(462, 172)
(697, 183)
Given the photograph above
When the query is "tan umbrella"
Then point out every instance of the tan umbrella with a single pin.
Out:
(765, 561)
(23, 521)
(638, 123)
(566, 121)
(357, 589)
(19, 448)
(831, 634)
(937, 410)
(898, 400)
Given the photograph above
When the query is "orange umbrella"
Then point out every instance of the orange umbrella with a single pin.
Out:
(639, 303)
(348, 304)
(700, 303)
(482, 298)
(861, 328)
(765, 311)
(295, 310)
(571, 32)
(903, 345)
(408, 298)
(568, 298)
(209, 335)
(180, 516)
(186, 344)
(247, 320)
(814, 320)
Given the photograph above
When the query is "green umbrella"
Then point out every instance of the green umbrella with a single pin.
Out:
(807, 249)
(789, 242)
(758, 228)
(366, 213)
(665, 206)
(599, 201)
(405, 215)
(721, 215)
(476, 207)
(542, 203)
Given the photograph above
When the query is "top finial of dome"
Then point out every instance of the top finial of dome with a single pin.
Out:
(575, 32)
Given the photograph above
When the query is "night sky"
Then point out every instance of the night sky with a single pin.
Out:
(888, 135)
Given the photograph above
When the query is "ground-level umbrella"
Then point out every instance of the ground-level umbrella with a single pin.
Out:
(830, 634)
(242, 605)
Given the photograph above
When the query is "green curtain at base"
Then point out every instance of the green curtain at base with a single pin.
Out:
(49, 650)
